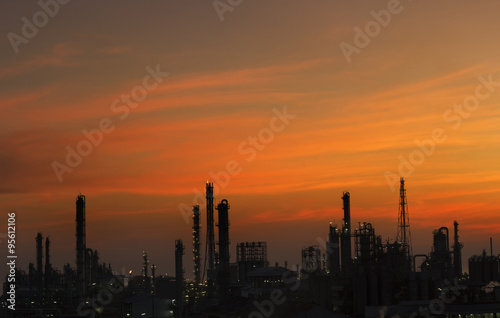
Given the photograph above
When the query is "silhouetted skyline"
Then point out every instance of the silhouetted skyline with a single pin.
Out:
(282, 105)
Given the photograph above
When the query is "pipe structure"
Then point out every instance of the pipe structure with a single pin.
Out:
(447, 237)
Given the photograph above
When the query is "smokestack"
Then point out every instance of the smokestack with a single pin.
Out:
(81, 249)
(491, 246)
(196, 244)
(457, 252)
(346, 234)
(179, 277)
(210, 225)
(210, 253)
(47, 253)
(223, 273)
(39, 269)
(48, 266)
(147, 285)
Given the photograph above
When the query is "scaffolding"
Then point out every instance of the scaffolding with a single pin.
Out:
(252, 251)
(250, 256)
(364, 241)
(311, 259)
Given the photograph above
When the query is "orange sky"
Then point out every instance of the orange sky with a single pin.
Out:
(353, 122)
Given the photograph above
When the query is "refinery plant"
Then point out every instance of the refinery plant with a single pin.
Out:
(355, 273)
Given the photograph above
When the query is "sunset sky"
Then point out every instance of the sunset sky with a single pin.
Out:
(229, 74)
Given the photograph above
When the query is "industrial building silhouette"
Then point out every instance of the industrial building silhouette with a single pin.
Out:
(354, 273)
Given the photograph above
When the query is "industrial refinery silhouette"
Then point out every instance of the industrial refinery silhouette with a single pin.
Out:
(354, 274)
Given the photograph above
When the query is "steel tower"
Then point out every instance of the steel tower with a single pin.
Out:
(404, 234)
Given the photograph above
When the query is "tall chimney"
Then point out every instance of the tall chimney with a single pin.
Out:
(39, 262)
(457, 252)
(48, 266)
(179, 278)
(491, 246)
(147, 285)
(210, 225)
(81, 249)
(346, 234)
(196, 244)
(223, 272)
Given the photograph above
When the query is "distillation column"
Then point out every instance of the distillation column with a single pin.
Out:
(333, 259)
(145, 265)
(196, 244)
(210, 226)
(457, 253)
(345, 248)
(48, 266)
(39, 262)
(81, 249)
(223, 273)
(179, 278)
